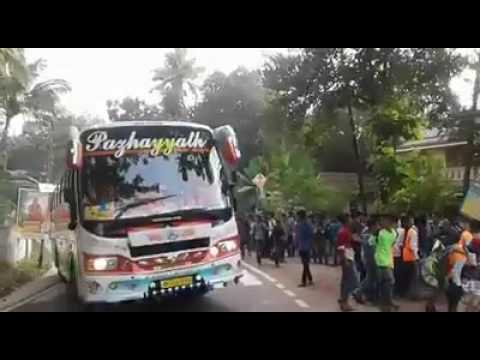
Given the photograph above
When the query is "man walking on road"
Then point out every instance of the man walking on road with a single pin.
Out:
(349, 281)
(259, 233)
(358, 226)
(243, 230)
(290, 234)
(384, 260)
(333, 227)
(368, 286)
(278, 235)
(304, 239)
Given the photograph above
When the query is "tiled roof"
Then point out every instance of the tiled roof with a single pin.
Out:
(433, 138)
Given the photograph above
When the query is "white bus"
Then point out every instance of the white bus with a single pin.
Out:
(146, 210)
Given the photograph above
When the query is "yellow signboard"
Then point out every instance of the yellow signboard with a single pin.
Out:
(33, 215)
(471, 204)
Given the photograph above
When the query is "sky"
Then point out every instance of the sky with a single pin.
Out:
(99, 74)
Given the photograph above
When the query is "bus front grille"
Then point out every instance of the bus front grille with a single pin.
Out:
(156, 249)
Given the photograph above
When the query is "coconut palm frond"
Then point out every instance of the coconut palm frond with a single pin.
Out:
(174, 80)
(13, 64)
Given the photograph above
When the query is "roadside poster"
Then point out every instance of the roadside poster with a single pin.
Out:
(471, 204)
(259, 180)
(33, 216)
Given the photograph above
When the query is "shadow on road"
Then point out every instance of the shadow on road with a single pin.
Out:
(58, 301)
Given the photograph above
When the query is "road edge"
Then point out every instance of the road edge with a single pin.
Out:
(29, 291)
(299, 302)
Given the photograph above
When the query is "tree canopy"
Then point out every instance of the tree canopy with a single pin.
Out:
(388, 93)
(174, 81)
(133, 109)
(236, 99)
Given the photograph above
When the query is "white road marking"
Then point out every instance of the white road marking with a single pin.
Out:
(279, 285)
(30, 299)
(248, 279)
(259, 272)
(302, 304)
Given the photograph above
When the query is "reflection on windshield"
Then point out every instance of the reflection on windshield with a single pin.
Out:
(112, 186)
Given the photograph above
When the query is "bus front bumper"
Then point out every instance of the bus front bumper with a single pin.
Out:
(121, 288)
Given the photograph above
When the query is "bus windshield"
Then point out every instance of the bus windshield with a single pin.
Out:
(134, 172)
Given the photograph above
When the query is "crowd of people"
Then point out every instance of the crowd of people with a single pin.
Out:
(378, 255)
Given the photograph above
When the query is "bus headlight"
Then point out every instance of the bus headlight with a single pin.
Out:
(225, 247)
(101, 263)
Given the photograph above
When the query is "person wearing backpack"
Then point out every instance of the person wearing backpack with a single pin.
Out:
(456, 260)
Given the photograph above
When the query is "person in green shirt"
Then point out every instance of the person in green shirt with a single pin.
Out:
(384, 261)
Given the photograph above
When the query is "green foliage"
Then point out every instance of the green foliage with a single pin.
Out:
(390, 172)
(7, 196)
(255, 166)
(399, 118)
(13, 65)
(397, 87)
(292, 180)
(390, 93)
(236, 99)
(12, 278)
(39, 100)
(424, 187)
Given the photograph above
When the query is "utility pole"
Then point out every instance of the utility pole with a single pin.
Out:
(470, 150)
(359, 161)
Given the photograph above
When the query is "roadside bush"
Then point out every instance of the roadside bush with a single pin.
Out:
(12, 278)
(7, 196)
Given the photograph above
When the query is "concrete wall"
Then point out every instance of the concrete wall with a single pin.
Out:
(13, 248)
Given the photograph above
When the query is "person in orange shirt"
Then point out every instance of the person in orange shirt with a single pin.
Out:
(409, 255)
(457, 258)
(466, 236)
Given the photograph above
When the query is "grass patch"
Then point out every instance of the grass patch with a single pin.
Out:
(11, 278)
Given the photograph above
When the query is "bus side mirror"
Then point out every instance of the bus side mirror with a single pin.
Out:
(73, 156)
(227, 143)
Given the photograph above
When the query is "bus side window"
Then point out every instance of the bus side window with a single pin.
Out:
(63, 188)
(69, 198)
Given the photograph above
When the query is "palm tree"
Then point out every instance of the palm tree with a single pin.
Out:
(173, 80)
(36, 99)
(41, 102)
(13, 64)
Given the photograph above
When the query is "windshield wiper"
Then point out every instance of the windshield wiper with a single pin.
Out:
(138, 203)
(195, 214)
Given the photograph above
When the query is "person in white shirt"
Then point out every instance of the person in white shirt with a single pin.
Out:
(406, 249)
(397, 258)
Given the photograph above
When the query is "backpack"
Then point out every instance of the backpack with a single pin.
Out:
(433, 268)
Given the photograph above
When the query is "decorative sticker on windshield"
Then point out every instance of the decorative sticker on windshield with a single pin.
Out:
(98, 143)
(99, 212)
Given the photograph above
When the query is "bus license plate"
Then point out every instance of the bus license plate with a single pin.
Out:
(176, 282)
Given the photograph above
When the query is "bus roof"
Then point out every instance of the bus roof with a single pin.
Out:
(116, 124)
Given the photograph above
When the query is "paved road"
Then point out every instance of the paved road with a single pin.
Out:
(254, 293)
(264, 289)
